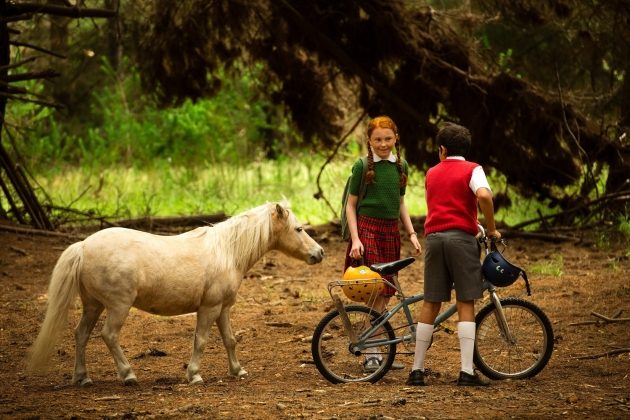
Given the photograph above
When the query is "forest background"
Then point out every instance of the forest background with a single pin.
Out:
(202, 107)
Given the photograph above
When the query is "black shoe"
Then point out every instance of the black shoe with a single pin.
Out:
(416, 378)
(466, 379)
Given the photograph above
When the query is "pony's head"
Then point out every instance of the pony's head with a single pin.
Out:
(290, 237)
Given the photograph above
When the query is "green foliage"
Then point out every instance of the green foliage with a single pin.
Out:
(125, 126)
(126, 157)
(624, 226)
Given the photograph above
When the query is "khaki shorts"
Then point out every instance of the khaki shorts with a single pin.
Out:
(452, 257)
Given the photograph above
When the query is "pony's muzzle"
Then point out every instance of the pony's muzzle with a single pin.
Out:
(316, 256)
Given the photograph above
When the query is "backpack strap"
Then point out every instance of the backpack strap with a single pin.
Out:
(363, 185)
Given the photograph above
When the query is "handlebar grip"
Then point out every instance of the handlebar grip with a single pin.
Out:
(493, 243)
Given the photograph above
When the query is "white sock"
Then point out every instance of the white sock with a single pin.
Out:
(466, 333)
(424, 333)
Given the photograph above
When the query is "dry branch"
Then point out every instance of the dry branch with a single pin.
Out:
(605, 354)
(14, 9)
(602, 319)
(36, 48)
(45, 74)
(605, 318)
(320, 193)
(621, 195)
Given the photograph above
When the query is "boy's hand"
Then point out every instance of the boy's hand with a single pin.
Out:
(494, 234)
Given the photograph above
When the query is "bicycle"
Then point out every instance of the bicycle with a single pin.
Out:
(514, 338)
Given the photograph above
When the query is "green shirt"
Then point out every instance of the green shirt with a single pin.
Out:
(382, 197)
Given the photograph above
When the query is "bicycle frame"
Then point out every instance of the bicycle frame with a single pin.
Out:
(362, 342)
(516, 337)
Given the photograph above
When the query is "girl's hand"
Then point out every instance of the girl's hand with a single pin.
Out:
(356, 252)
(414, 241)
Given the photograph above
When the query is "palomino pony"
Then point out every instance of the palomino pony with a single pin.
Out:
(198, 271)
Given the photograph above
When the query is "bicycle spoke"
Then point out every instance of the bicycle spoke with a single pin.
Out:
(332, 350)
(525, 352)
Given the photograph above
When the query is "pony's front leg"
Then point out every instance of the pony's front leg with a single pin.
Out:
(205, 317)
(229, 341)
(111, 330)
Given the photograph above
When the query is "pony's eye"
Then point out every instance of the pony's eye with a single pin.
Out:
(299, 229)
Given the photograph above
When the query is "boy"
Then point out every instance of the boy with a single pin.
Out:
(454, 187)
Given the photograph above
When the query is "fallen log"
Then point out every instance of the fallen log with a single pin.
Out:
(150, 223)
(39, 232)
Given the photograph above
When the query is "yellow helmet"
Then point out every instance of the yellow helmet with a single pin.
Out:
(362, 284)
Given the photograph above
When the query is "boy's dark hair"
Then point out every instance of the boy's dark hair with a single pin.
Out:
(455, 138)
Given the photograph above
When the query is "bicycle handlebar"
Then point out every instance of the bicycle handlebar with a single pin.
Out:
(482, 238)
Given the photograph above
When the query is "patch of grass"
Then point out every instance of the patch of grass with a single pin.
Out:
(170, 190)
(551, 267)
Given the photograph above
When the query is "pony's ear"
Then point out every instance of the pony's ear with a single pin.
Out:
(280, 211)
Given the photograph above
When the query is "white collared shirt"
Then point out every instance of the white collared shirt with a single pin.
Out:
(391, 158)
(477, 179)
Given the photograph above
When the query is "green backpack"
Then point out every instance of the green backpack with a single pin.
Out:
(345, 231)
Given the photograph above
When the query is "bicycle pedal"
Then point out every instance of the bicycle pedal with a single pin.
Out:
(447, 330)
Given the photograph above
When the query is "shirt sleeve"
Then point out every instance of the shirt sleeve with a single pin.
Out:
(478, 180)
(355, 181)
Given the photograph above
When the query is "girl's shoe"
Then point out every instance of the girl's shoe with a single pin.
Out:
(371, 364)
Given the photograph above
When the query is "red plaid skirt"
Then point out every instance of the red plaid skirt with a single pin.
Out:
(381, 243)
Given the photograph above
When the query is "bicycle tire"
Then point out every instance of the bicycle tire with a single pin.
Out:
(331, 347)
(499, 359)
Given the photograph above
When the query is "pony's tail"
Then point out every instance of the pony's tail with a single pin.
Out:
(64, 285)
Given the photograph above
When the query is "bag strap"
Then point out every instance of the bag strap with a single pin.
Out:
(363, 185)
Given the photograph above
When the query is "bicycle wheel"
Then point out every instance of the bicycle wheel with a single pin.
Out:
(523, 357)
(331, 347)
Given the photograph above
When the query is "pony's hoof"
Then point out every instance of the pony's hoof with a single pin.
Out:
(196, 380)
(131, 381)
(85, 382)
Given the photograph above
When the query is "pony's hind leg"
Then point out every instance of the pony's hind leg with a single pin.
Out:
(205, 317)
(92, 310)
(115, 318)
(229, 341)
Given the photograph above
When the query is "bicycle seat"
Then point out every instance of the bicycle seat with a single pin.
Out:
(393, 267)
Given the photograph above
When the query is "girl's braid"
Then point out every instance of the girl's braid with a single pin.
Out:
(370, 174)
(399, 164)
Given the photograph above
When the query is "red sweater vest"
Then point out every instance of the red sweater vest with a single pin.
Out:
(451, 204)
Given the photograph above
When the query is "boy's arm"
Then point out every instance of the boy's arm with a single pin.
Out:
(484, 196)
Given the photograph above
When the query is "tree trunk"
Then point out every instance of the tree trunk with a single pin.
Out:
(114, 46)
(618, 176)
(58, 32)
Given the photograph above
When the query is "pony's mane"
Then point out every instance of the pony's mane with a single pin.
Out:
(247, 236)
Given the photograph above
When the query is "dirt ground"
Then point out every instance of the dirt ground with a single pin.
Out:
(280, 302)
